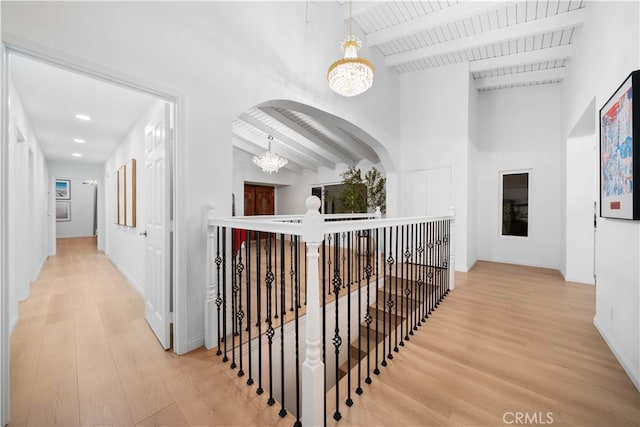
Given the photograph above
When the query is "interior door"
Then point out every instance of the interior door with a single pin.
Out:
(157, 221)
(265, 197)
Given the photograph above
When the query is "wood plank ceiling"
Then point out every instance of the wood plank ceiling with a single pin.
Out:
(506, 43)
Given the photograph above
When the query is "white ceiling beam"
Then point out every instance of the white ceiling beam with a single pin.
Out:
(442, 17)
(521, 78)
(361, 150)
(308, 139)
(571, 19)
(288, 142)
(525, 58)
(276, 146)
(246, 146)
(358, 8)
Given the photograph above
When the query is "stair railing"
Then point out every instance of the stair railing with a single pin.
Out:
(387, 275)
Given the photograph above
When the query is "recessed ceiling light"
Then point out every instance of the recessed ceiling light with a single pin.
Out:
(81, 141)
(83, 117)
(76, 154)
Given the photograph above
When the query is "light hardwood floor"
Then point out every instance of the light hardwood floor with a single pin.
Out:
(507, 339)
(82, 354)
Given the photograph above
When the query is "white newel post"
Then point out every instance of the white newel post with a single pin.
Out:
(452, 246)
(210, 339)
(313, 367)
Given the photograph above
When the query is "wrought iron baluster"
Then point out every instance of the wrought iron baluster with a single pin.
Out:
(422, 271)
(367, 317)
(291, 273)
(275, 274)
(283, 412)
(219, 282)
(248, 275)
(239, 312)
(259, 390)
(225, 358)
(349, 401)
(269, 279)
(324, 320)
(298, 423)
(384, 300)
(337, 340)
(359, 280)
(376, 370)
(403, 285)
(329, 258)
(397, 257)
(414, 290)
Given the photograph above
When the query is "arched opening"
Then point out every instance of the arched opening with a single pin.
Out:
(319, 148)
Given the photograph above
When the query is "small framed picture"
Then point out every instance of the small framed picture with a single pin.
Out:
(63, 189)
(63, 211)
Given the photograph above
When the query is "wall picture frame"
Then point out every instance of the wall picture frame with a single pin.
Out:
(63, 189)
(619, 153)
(63, 211)
(121, 197)
(130, 193)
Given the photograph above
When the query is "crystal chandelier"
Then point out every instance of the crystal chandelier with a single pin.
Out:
(350, 76)
(270, 162)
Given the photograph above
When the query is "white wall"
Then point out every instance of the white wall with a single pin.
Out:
(27, 207)
(231, 57)
(605, 54)
(83, 199)
(434, 133)
(77, 171)
(582, 189)
(124, 245)
(521, 129)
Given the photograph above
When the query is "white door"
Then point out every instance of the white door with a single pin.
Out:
(157, 248)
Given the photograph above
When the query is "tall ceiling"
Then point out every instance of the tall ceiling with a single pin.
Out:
(507, 43)
(51, 98)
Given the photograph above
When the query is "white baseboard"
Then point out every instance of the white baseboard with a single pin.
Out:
(626, 364)
(135, 285)
(194, 343)
(39, 270)
(580, 279)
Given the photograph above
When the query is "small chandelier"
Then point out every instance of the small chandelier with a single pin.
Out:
(270, 162)
(350, 76)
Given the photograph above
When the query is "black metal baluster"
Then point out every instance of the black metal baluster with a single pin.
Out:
(291, 273)
(431, 275)
(275, 275)
(248, 258)
(224, 292)
(298, 423)
(448, 254)
(305, 274)
(269, 279)
(349, 401)
(439, 261)
(219, 284)
(377, 289)
(359, 279)
(367, 317)
(329, 259)
(234, 297)
(283, 412)
(384, 299)
(337, 340)
(345, 278)
(324, 322)
(403, 285)
(259, 390)
(399, 258)
(422, 272)
(414, 286)
(240, 312)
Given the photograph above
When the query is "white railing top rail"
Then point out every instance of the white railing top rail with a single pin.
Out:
(284, 224)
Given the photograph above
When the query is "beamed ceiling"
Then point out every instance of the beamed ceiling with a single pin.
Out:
(507, 44)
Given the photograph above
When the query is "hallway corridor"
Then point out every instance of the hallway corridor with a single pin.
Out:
(82, 354)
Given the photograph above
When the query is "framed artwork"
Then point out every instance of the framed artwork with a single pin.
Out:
(130, 193)
(63, 189)
(63, 211)
(619, 154)
(121, 196)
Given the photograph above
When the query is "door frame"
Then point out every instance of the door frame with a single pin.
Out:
(15, 45)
